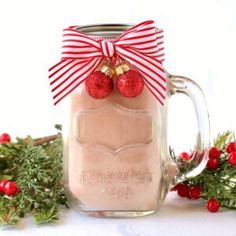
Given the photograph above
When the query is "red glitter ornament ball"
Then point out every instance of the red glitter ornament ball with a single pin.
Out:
(98, 85)
(130, 84)
(213, 205)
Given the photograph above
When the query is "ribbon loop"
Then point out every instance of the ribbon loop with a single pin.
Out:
(141, 45)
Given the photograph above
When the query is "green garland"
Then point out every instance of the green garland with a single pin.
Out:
(219, 183)
(36, 166)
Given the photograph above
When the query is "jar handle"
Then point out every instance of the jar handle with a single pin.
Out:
(180, 84)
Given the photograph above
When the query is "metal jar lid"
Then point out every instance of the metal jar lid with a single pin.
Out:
(104, 30)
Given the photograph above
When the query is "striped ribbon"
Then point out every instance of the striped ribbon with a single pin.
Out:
(141, 45)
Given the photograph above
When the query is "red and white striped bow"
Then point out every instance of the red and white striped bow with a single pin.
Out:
(141, 45)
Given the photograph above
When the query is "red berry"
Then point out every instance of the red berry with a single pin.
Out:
(11, 188)
(212, 164)
(5, 138)
(232, 159)
(231, 147)
(214, 152)
(130, 84)
(175, 188)
(2, 185)
(183, 190)
(213, 205)
(184, 156)
(98, 85)
(195, 192)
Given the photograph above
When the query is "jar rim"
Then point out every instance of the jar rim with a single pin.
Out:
(104, 30)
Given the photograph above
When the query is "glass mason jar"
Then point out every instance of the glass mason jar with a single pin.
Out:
(117, 162)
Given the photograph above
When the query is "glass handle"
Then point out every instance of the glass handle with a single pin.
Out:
(180, 84)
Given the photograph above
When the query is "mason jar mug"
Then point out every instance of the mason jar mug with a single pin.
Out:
(116, 157)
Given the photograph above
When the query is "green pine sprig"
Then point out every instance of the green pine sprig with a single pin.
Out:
(36, 167)
(220, 183)
(223, 139)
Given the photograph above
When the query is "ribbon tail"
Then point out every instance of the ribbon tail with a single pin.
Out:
(154, 87)
(67, 75)
(155, 92)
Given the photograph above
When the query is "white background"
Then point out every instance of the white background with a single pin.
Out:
(200, 42)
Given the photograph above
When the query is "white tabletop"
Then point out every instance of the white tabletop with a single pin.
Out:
(176, 217)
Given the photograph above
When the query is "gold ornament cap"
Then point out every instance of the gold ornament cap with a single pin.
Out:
(122, 68)
(108, 71)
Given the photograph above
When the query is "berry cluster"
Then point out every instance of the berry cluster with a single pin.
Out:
(216, 156)
(9, 188)
(195, 192)
(215, 153)
(231, 149)
(184, 190)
